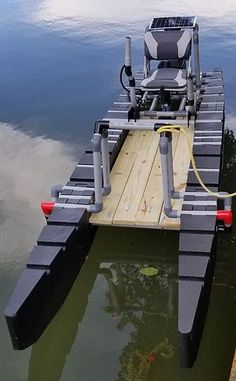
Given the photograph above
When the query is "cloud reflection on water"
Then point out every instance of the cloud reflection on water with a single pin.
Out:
(29, 166)
(101, 18)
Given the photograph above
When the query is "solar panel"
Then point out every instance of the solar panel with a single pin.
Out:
(185, 22)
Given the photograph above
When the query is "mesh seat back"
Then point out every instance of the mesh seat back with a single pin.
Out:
(168, 45)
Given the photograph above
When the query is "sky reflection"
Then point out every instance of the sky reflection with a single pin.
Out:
(29, 166)
(102, 17)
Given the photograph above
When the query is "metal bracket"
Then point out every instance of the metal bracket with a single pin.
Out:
(133, 113)
(100, 126)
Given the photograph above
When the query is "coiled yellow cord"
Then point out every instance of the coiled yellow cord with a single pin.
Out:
(179, 129)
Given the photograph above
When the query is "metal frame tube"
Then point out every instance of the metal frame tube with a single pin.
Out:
(182, 104)
(167, 174)
(190, 95)
(154, 103)
(133, 97)
(145, 67)
(105, 163)
(128, 72)
(197, 59)
(128, 51)
(170, 164)
(55, 192)
(157, 114)
(144, 97)
(164, 170)
(146, 124)
(97, 161)
(227, 201)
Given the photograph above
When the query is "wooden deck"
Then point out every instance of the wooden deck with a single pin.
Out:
(136, 198)
(233, 369)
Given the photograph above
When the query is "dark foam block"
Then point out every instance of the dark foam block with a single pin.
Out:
(210, 116)
(214, 90)
(82, 174)
(207, 150)
(53, 235)
(207, 126)
(199, 223)
(45, 256)
(39, 293)
(208, 178)
(189, 296)
(77, 216)
(213, 98)
(196, 188)
(50, 274)
(207, 162)
(195, 242)
(84, 184)
(24, 306)
(193, 266)
(86, 158)
(193, 300)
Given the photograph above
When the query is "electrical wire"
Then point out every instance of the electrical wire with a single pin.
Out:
(121, 79)
(180, 129)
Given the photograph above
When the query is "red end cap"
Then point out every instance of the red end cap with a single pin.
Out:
(47, 208)
(226, 216)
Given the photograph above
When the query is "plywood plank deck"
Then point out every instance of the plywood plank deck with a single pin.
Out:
(233, 369)
(136, 198)
(180, 169)
(152, 201)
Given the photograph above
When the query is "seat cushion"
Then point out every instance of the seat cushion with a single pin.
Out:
(168, 78)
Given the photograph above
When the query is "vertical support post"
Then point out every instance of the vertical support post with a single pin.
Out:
(105, 162)
(128, 72)
(164, 151)
(154, 103)
(167, 174)
(170, 163)
(145, 67)
(182, 104)
(196, 59)
(190, 95)
(97, 162)
(55, 191)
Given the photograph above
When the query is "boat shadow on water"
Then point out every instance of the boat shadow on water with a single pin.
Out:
(138, 272)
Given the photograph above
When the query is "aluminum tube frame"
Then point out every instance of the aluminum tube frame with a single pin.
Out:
(105, 163)
(145, 124)
(127, 51)
(97, 161)
(170, 164)
(156, 114)
(133, 97)
(190, 95)
(128, 71)
(164, 170)
(154, 103)
(55, 192)
(167, 174)
(197, 59)
(182, 104)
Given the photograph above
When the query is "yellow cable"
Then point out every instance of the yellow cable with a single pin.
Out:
(180, 129)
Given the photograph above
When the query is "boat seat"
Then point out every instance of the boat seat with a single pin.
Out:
(168, 78)
(173, 49)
